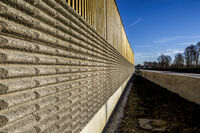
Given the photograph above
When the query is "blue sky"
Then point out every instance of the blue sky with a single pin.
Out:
(160, 26)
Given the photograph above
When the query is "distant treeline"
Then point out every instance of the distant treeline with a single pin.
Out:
(184, 62)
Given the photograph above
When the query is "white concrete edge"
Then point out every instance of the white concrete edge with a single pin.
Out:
(98, 122)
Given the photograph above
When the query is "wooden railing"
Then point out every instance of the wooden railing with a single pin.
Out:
(104, 17)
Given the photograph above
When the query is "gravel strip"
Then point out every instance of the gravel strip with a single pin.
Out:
(118, 113)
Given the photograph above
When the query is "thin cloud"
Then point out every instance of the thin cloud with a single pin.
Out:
(173, 51)
(169, 52)
(168, 39)
(145, 55)
(136, 22)
(139, 54)
(144, 46)
(141, 57)
(150, 56)
(187, 43)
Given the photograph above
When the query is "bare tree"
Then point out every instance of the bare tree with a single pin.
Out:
(155, 64)
(188, 56)
(161, 60)
(145, 64)
(198, 54)
(164, 61)
(179, 60)
(150, 64)
(195, 54)
(192, 55)
(168, 60)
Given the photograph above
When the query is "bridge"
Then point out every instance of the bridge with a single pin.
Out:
(64, 65)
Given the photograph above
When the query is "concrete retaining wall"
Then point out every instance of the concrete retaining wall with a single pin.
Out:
(186, 86)
(98, 122)
(56, 71)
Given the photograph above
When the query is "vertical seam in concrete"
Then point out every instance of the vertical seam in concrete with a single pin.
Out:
(106, 15)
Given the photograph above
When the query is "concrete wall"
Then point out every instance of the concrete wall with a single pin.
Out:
(98, 122)
(184, 85)
(56, 71)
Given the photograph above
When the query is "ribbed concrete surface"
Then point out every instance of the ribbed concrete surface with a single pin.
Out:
(56, 71)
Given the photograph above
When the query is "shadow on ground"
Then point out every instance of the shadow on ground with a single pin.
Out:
(152, 109)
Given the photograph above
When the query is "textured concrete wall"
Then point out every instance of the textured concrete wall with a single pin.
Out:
(98, 122)
(186, 86)
(56, 71)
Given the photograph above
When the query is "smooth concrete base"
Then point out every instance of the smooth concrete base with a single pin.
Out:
(185, 85)
(98, 122)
